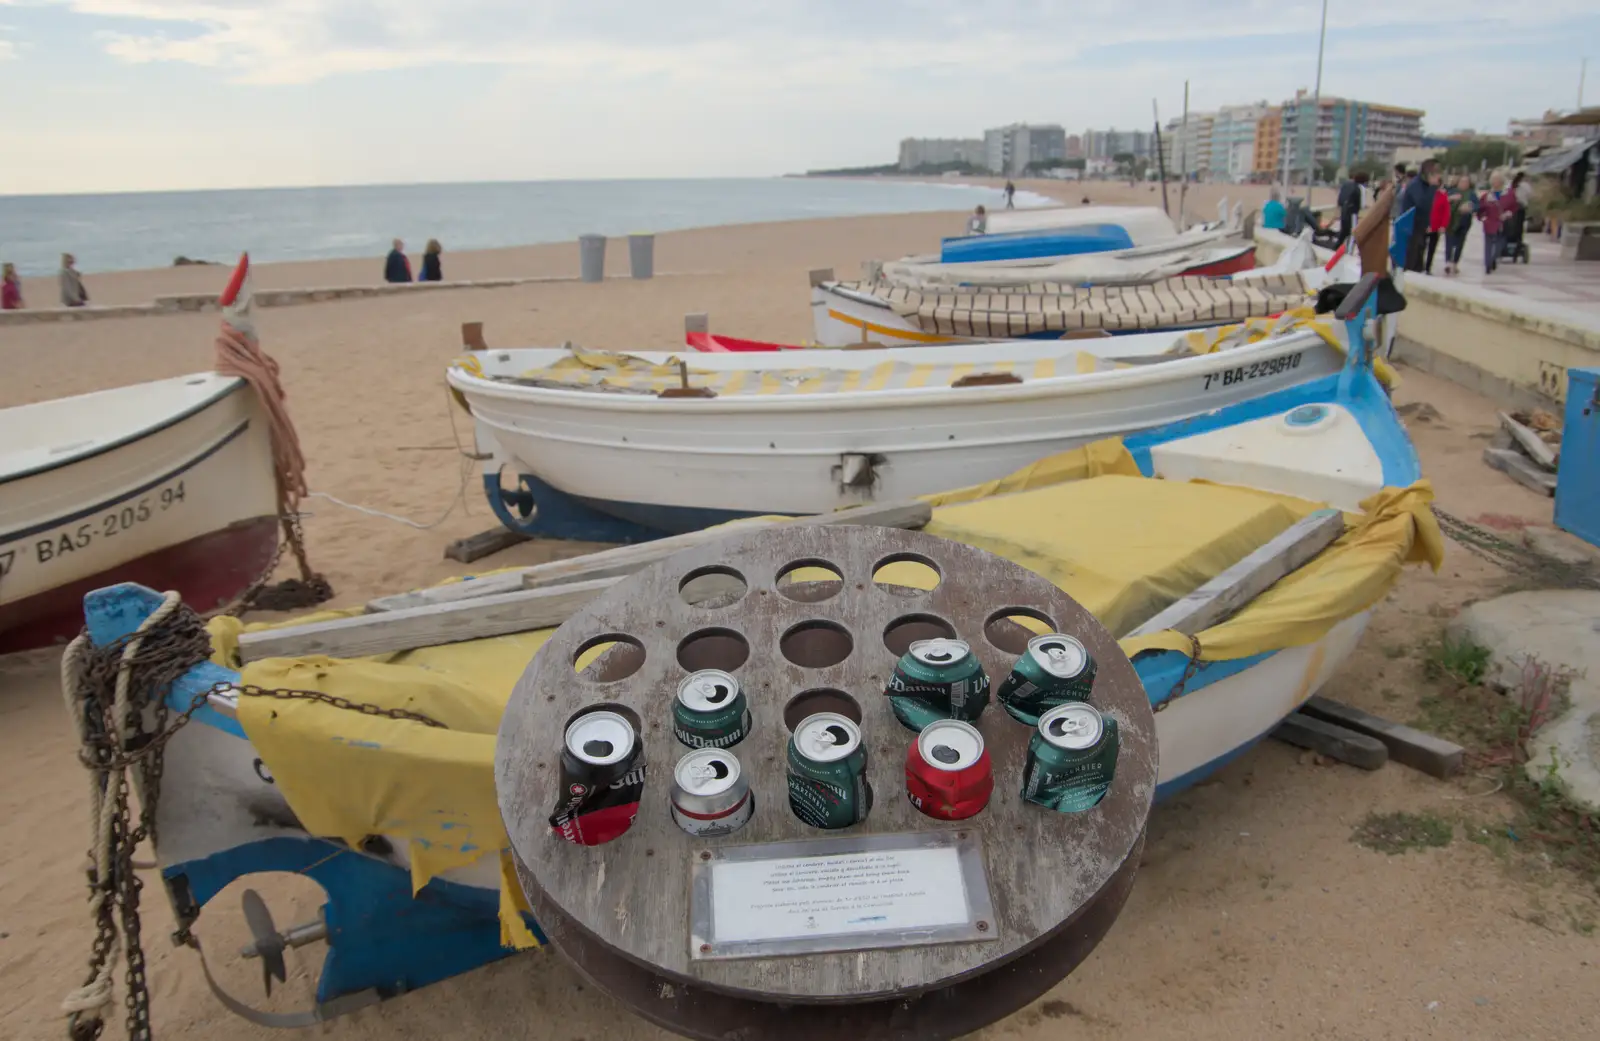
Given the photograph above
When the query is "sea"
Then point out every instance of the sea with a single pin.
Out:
(152, 229)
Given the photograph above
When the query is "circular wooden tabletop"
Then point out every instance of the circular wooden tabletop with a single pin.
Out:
(621, 911)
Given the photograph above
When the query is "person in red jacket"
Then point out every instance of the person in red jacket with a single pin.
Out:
(1437, 222)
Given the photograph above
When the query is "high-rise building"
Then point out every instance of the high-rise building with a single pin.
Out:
(1108, 144)
(1233, 141)
(918, 153)
(1267, 160)
(1342, 131)
(1075, 147)
(1189, 146)
(1010, 149)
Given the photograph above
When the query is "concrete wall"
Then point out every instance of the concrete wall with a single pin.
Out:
(1511, 350)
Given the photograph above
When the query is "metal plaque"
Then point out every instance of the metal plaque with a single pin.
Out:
(847, 893)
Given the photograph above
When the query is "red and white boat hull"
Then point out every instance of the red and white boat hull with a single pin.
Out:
(168, 484)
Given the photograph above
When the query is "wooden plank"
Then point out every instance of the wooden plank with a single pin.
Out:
(483, 544)
(625, 560)
(1332, 740)
(390, 631)
(1250, 577)
(1521, 469)
(1410, 747)
(470, 589)
(1531, 443)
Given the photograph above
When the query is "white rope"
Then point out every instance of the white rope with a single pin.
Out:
(98, 992)
(460, 499)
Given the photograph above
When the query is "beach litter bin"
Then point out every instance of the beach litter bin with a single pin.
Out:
(642, 255)
(1578, 481)
(592, 257)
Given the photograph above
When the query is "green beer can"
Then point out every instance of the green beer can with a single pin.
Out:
(828, 772)
(937, 679)
(1072, 759)
(1054, 670)
(710, 710)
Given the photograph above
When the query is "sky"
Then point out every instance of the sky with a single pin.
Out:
(126, 95)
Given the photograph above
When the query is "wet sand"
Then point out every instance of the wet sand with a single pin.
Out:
(1254, 915)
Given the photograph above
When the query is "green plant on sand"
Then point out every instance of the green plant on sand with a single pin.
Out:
(1393, 833)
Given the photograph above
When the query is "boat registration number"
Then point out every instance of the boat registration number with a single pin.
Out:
(1253, 371)
(67, 541)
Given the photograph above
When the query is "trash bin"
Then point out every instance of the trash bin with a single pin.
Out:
(642, 255)
(592, 257)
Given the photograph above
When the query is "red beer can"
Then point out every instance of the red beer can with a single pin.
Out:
(948, 773)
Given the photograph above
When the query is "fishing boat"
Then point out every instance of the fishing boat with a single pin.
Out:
(249, 785)
(1210, 257)
(168, 483)
(879, 312)
(1142, 225)
(648, 439)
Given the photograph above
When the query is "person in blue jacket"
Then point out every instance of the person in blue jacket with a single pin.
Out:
(1418, 198)
(1273, 214)
(396, 268)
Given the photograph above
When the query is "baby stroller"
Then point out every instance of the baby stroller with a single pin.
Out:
(1515, 248)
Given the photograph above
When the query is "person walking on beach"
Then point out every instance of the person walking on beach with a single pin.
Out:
(72, 292)
(1438, 220)
(396, 268)
(978, 223)
(1349, 205)
(1492, 212)
(431, 271)
(1463, 204)
(1418, 198)
(1272, 212)
(10, 289)
(1011, 191)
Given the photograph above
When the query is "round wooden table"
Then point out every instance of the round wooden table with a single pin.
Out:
(621, 912)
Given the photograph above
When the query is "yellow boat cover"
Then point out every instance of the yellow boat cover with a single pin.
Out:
(1122, 545)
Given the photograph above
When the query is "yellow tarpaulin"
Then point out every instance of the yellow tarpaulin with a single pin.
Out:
(1121, 544)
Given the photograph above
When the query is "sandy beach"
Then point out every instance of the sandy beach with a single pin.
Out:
(1254, 915)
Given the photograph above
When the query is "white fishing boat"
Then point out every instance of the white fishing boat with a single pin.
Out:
(247, 785)
(844, 313)
(807, 432)
(1145, 225)
(168, 483)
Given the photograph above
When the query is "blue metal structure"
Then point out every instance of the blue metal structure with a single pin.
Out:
(1578, 483)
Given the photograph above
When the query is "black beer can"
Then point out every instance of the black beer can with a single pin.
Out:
(602, 776)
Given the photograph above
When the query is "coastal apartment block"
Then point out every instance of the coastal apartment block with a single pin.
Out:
(1243, 142)
(1343, 131)
(1010, 149)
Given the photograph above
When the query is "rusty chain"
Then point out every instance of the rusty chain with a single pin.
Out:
(165, 653)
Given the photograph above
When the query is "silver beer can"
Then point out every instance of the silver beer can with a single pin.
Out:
(710, 794)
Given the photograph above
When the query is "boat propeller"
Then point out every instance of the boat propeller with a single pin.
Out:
(269, 944)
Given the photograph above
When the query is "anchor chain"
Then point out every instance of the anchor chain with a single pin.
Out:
(116, 696)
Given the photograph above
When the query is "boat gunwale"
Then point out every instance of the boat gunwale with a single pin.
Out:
(1069, 385)
(230, 385)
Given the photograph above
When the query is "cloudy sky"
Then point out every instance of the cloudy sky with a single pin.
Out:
(152, 94)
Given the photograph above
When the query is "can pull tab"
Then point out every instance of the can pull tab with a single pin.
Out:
(829, 737)
(712, 771)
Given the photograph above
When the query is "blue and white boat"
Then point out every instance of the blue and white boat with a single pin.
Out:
(1334, 440)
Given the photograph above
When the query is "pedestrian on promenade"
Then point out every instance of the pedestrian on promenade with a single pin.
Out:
(396, 268)
(431, 271)
(72, 292)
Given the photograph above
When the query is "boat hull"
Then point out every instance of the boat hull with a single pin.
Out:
(678, 465)
(189, 504)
